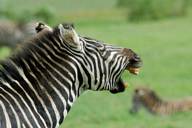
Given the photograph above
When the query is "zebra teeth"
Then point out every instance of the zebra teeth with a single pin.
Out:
(134, 71)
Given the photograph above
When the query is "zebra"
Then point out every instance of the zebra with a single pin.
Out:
(40, 82)
(149, 100)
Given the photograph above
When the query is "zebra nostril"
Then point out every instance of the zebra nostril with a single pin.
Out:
(137, 58)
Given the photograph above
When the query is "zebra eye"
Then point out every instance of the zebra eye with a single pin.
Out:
(72, 25)
(68, 26)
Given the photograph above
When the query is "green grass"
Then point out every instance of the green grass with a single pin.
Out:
(165, 47)
(166, 52)
(4, 52)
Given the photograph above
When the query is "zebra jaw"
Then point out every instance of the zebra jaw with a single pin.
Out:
(120, 84)
(120, 87)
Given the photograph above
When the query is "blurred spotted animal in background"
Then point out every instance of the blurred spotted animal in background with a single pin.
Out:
(148, 99)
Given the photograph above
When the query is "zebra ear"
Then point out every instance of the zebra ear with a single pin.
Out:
(41, 26)
(69, 35)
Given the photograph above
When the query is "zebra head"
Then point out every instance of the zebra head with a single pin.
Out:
(98, 66)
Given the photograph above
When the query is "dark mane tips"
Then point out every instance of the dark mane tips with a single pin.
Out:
(148, 93)
(155, 96)
(23, 50)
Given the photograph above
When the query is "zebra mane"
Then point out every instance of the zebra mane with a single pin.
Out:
(148, 93)
(23, 50)
(26, 47)
(155, 97)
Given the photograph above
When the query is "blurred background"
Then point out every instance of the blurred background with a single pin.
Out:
(160, 31)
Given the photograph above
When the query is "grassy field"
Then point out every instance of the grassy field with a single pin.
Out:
(165, 47)
(166, 51)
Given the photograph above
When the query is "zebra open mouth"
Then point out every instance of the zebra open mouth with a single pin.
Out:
(120, 84)
(133, 67)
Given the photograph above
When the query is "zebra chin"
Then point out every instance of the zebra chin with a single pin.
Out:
(120, 87)
(120, 84)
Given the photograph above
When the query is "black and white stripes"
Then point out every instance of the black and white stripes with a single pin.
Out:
(41, 81)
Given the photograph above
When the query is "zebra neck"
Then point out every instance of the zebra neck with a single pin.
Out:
(43, 90)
